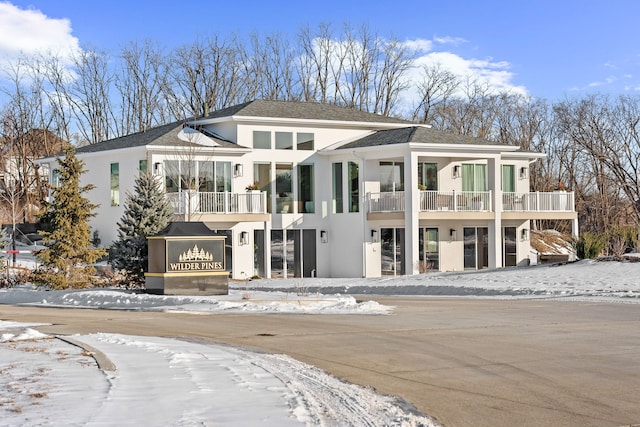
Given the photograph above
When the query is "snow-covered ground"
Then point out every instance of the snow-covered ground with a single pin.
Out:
(158, 381)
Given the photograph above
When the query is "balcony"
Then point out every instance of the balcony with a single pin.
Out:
(557, 201)
(474, 201)
(218, 203)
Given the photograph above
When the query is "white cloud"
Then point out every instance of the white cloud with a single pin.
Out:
(450, 40)
(26, 32)
(419, 45)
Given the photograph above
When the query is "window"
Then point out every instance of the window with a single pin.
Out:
(115, 184)
(55, 178)
(172, 176)
(305, 189)
(304, 141)
(284, 188)
(508, 178)
(336, 188)
(284, 141)
(391, 176)
(474, 177)
(142, 166)
(261, 139)
(428, 176)
(354, 188)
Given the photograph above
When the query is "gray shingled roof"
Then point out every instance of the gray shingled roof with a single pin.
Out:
(301, 110)
(159, 135)
(418, 134)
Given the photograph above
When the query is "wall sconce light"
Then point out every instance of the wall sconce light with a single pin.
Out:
(156, 168)
(524, 234)
(324, 236)
(455, 172)
(452, 234)
(237, 170)
(244, 238)
(523, 173)
(374, 235)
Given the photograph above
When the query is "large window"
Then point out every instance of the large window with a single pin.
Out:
(214, 176)
(115, 184)
(261, 139)
(428, 176)
(142, 166)
(354, 188)
(508, 178)
(474, 177)
(391, 176)
(305, 189)
(336, 188)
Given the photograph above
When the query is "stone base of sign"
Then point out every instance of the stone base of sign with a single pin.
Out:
(187, 284)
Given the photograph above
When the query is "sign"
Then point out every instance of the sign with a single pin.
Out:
(195, 255)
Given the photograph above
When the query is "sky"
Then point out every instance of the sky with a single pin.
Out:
(162, 381)
(545, 49)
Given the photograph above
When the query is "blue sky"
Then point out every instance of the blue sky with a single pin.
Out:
(547, 49)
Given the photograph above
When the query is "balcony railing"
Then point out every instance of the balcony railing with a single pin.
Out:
(557, 201)
(218, 202)
(456, 201)
(473, 201)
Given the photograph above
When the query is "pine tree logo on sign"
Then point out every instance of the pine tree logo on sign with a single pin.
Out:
(195, 254)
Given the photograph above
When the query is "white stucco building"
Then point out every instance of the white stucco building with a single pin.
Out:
(342, 193)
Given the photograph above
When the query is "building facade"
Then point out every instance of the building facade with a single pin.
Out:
(305, 189)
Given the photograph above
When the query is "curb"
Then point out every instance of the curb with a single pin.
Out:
(101, 359)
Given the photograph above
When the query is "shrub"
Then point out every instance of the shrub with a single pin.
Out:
(590, 244)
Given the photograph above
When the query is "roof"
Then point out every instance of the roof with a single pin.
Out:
(415, 134)
(301, 110)
(160, 135)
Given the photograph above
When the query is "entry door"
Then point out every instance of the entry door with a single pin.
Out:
(293, 253)
(509, 248)
(476, 247)
(392, 242)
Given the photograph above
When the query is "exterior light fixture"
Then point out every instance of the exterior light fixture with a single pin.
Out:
(455, 172)
(374, 235)
(237, 170)
(244, 238)
(452, 234)
(324, 236)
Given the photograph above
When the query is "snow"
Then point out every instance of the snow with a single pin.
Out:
(161, 381)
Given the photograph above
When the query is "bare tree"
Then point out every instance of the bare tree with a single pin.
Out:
(435, 89)
(140, 83)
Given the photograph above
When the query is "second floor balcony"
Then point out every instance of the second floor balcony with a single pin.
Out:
(473, 201)
(222, 205)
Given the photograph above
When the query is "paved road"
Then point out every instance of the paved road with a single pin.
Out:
(466, 362)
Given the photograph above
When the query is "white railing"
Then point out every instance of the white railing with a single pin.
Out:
(456, 201)
(392, 201)
(218, 202)
(557, 201)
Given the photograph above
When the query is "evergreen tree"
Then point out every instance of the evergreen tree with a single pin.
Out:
(147, 212)
(69, 248)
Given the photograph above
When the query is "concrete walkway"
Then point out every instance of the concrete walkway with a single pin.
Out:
(466, 362)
